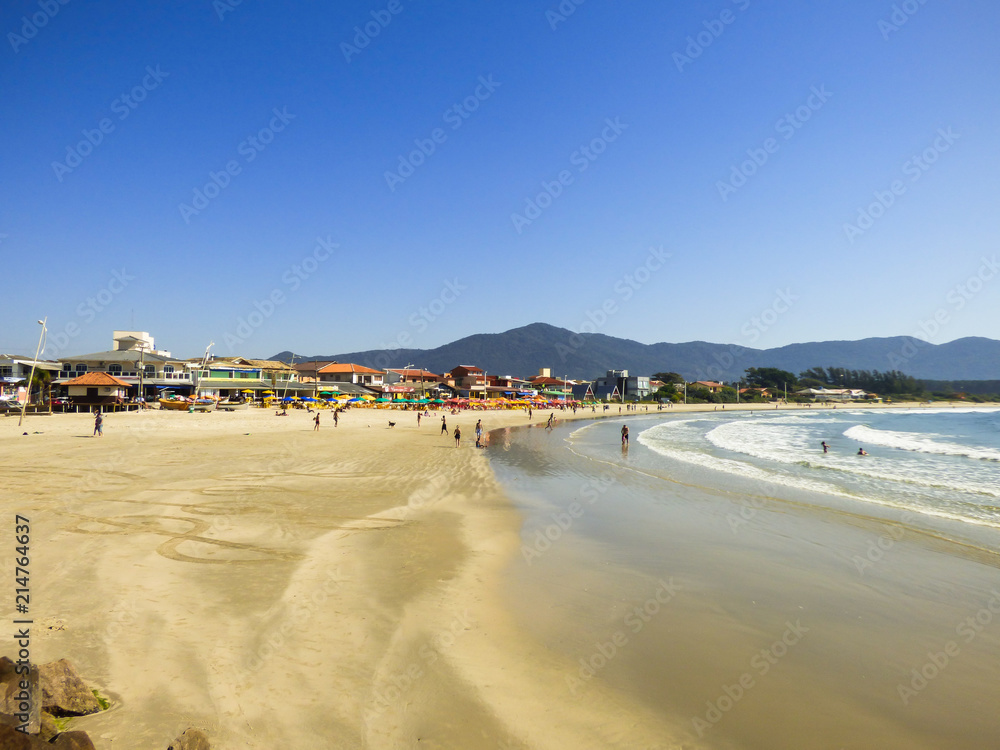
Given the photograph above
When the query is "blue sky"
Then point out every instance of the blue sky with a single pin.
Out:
(738, 172)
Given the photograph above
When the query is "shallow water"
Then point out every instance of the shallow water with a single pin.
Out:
(857, 570)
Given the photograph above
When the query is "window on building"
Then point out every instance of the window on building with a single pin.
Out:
(168, 368)
(114, 369)
(150, 371)
(6, 371)
(80, 367)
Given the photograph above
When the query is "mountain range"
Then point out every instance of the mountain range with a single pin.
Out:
(523, 351)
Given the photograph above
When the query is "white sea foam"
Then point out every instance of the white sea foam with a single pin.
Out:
(918, 443)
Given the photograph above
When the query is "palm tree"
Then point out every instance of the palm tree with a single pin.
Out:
(41, 380)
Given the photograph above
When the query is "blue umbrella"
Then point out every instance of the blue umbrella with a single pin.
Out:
(287, 400)
(308, 398)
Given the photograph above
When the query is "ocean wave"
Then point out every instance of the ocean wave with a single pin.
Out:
(918, 443)
(788, 445)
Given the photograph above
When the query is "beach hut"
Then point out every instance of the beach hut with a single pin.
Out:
(96, 389)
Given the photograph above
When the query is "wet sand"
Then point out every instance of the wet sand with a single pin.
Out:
(347, 588)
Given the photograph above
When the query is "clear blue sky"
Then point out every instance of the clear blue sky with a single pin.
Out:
(181, 87)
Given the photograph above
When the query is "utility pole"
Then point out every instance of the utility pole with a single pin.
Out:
(31, 376)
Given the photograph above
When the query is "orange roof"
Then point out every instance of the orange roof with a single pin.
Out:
(97, 378)
(348, 367)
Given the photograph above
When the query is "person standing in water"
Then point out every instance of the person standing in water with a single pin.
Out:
(624, 434)
(826, 448)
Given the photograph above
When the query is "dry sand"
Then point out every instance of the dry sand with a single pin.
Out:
(285, 588)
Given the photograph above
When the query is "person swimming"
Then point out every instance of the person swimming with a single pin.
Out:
(862, 452)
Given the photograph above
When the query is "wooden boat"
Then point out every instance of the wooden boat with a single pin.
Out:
(176, 404)
(203, 404)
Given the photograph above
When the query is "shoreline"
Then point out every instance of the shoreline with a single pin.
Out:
(206, 569)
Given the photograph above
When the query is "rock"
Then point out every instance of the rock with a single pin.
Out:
(14, 695)
(64, 693)
(72, 741)
(192, 739)
(49, 728)
(11, 739)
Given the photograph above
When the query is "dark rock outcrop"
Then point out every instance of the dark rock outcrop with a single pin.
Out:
(191, 739)
(64, 693)
(72, 741)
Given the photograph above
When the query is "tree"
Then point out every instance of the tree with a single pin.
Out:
(769, 377)
(671, 378)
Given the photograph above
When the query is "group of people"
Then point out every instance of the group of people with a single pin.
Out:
(826, 449)
(480, 442)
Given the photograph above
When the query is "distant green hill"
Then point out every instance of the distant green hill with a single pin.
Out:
(522, 351)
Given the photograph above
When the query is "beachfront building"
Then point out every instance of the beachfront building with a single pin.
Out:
(709, 385)
(395, 376)
(549, 386)
(225, 378)
(14, 373)
(97, 389)
(135, 363)
(584, 392)
(346, 372)
(619, 384)
(468, 380)
(832, 394)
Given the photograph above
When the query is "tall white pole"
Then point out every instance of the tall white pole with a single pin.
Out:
(27, 396)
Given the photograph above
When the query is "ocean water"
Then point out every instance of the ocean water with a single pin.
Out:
(930, 463)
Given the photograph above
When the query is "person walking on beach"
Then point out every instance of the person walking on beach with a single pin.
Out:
(444, 425)
(479, 430)
(529, 413)
(624, 434)
(458, 437)
(418, 419)
(549, 424)
(336, 416)
(316, 422)
(98, 423)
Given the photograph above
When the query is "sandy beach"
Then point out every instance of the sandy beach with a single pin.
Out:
(280, 587)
